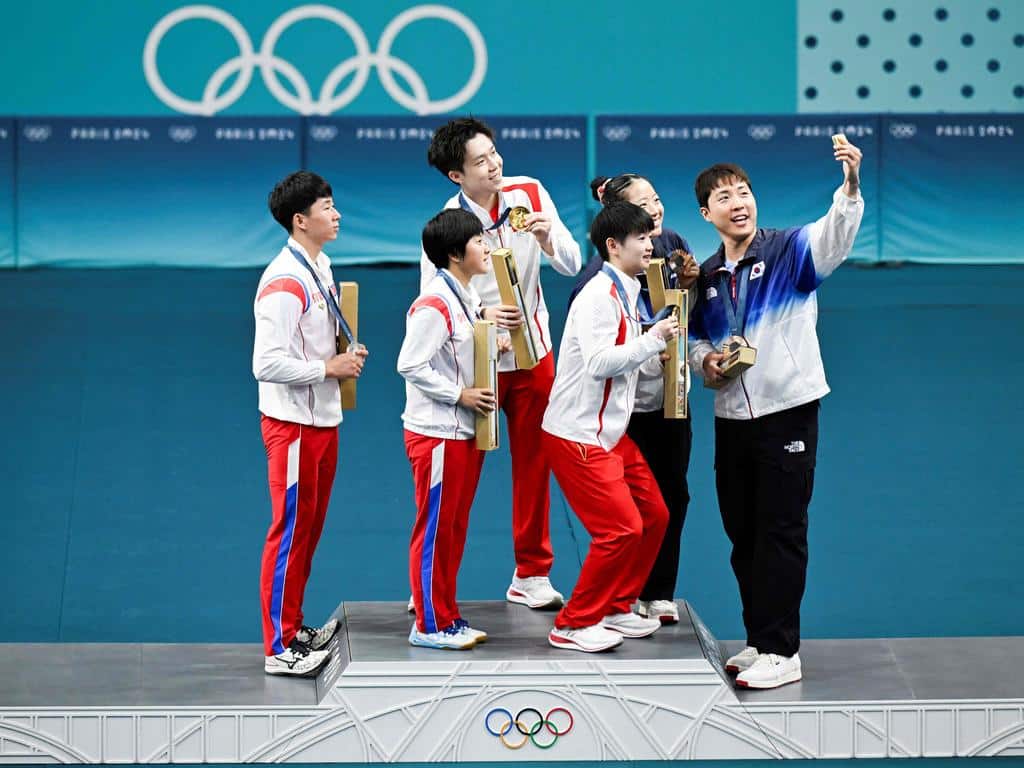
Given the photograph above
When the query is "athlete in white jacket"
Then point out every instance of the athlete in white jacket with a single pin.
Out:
(296, 363)
(463, 151)
(599, 468)
(442, 401)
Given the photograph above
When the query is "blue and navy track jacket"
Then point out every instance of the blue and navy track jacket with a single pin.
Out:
(782, 269)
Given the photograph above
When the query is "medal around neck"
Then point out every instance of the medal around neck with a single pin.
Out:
(517, 218)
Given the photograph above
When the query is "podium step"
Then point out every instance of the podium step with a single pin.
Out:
(513, 698)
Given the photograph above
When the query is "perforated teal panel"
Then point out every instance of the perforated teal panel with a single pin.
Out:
(910, 55)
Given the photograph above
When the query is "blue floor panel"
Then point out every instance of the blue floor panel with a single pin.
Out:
(136, 496)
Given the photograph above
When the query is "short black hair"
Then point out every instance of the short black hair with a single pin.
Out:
(447, 234)
(711, 178)
(447, 150)
(295, 193)
(618, 221)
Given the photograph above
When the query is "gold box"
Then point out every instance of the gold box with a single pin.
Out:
(738, 358)
(657, 284)
(525, 346)
(676, 373)
(485, 375)
(349, 293)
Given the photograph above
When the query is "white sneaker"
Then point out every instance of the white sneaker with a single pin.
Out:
(630, 624)
(449, 639)
(665, 611)
(478, 635)
(297, 659)
(318, 637)
(533, 592)
(742, 660)
(770, 671)
(591, 639)
(412, 605)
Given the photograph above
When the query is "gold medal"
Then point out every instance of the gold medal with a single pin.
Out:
(517, 218)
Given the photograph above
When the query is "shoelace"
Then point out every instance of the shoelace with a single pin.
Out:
(460, 624)
(299, 648)
(311, 631)
(454, 629)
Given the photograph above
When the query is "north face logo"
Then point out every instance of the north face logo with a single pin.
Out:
(712, 293)
(796, 446)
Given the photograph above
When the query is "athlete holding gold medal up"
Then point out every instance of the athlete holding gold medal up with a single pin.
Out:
(516, 213)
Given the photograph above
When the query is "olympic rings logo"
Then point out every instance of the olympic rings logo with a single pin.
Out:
(302, 101)
(903, 130)
(37, 132)
(529, 724)
(181, 134)
(760, 132)
(617, 132)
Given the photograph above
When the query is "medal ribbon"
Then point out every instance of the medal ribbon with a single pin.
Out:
(451, 284)
(736, 313)
(328, 297)
(464, 203)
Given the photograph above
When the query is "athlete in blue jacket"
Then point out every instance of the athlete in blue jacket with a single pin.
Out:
(760, 287)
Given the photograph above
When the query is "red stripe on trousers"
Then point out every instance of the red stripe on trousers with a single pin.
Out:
(318, 461)
(523, 396)
(615, 496)
(462, 464)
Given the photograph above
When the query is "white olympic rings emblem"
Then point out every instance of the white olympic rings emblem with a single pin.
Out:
(761, 132)
(181, 134)
(37, 132)
(903, 130)
(302, 100)
(617, 132)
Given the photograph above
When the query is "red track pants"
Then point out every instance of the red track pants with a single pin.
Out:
(617, 499)
(523, 396)
(445, 474)
(301, 462)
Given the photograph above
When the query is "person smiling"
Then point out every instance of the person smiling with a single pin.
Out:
(759, 289)
(664, 443)
(599, 468)
(442, 400)
(463, 151)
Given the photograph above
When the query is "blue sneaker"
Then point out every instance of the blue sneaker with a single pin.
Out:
(449, 639)
(478, 635)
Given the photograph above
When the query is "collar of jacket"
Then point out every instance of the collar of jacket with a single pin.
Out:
(717, 262)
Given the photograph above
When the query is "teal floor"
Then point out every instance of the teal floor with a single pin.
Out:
(137, 498)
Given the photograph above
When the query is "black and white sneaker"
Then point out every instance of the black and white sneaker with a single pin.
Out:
(318, 638)
(298, 659)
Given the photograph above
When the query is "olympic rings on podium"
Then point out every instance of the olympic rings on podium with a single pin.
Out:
(529, 722)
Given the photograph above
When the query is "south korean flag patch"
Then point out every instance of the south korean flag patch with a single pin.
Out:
(757, 270)
(712, 293)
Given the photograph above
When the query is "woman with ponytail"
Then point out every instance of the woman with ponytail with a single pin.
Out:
(664, 443)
